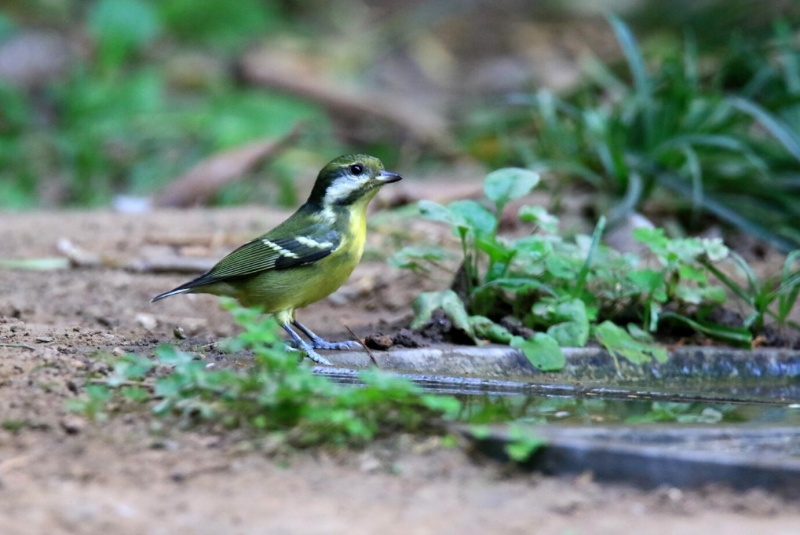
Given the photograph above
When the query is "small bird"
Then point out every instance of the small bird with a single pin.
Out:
(308, 256)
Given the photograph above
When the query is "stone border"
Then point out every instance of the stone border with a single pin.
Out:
(740, 457)
(582, 363)
(711, 374)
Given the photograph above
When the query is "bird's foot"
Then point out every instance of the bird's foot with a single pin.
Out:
(319, 343)
(310, 353)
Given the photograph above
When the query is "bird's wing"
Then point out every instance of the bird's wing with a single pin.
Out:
(306, 246)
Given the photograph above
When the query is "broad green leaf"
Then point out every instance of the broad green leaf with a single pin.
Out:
(478, 218)
(436, 212)
(542, 351)
(507, 184)
(539, 216)
(415, 258)
(651, 282)
(569, 323)
(619, 343)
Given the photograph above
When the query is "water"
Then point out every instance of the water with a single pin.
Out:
(487, 401)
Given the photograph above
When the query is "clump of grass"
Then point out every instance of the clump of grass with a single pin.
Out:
(568, 291)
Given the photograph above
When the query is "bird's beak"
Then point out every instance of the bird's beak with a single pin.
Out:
(387, 178)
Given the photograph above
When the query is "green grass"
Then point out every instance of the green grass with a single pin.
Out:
(723, 142)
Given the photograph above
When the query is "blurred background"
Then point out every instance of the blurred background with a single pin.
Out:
(687, 111)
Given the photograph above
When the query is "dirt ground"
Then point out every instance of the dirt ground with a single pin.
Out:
(61, 474)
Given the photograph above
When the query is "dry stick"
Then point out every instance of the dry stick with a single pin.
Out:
(424, 125)
(200, 183)
(78, 258)
(357, 339)
(19, 346)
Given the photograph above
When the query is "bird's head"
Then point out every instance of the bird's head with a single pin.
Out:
(349, 179)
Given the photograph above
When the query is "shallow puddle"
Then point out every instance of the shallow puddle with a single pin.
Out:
(488, 401)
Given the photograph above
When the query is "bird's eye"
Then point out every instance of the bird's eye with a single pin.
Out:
(356, 169)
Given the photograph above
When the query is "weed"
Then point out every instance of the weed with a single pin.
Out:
(277, 394)
(569, 291)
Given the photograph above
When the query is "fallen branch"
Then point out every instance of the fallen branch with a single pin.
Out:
(422, 124)
(200, 183)
(78, 258)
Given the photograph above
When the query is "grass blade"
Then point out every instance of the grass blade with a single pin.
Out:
(780, 130)
(584, 273)
(737, 335)
(636, 64)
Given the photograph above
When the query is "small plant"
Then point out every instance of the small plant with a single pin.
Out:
(278, 394)
(567, 291)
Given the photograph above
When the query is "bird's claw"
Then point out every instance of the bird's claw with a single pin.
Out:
(316, 357)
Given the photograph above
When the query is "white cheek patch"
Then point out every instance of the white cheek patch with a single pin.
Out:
(343, 188)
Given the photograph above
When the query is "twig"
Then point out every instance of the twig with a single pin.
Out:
(78, 258)
(19, 346)
(371, 356)
(205, 179)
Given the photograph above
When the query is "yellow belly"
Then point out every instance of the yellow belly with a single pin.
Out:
(282, 291)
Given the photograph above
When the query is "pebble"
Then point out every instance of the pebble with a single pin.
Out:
(379, 341)
(44, 339)
(73, 424)
(148, 321)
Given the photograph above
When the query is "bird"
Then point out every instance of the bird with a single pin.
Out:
(305, 258)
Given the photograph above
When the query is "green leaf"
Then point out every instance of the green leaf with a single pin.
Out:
(782, 132)
(486, 329)
(569, 322)
(619, 343)
(426, 302)
(478, 218)
(507, 184)
(172, 356)
(122, 27)
(436, 212)
(415, 258)
(539, 216)
(542, 351)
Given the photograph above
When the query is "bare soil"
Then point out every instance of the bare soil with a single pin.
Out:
(61, 474)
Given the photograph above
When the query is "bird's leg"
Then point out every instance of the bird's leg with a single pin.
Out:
(304, 346)
(320, 343)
